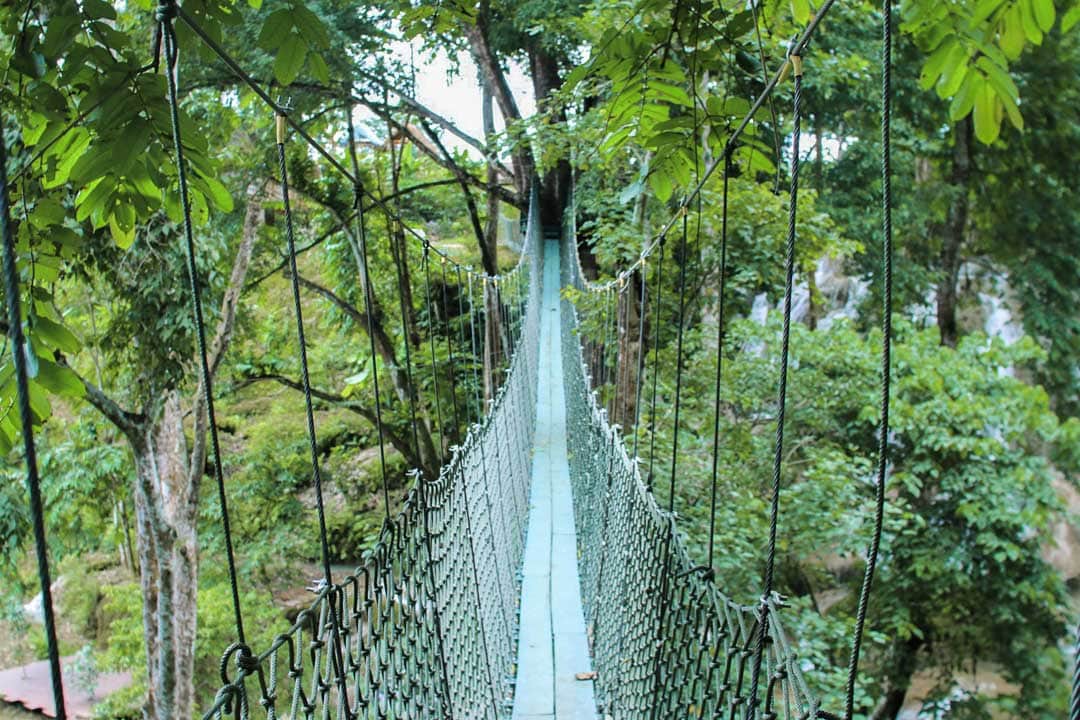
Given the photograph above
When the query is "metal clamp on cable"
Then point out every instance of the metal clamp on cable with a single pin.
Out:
(279, 123)
(796, 64)
(165, 11)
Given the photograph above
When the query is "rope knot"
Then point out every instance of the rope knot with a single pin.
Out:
(246, 660)
(166, 11)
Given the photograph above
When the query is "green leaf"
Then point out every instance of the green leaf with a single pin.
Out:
(318, 68)
(987, 126)
(1072, 16)
(935, 64)
(311, 28)
(999, 78)
(661, 184)
(216, 192)
(1012, 110)
(39, 399)
(59, 380)
(123, 237)
(984, 9)
(1044, 14)
(96, 9)
(55, 335)
(1027, 19)
(275, 30)
(290, 59)
(1011, 38)
(964, 100)
(956, 69)
(800, 10)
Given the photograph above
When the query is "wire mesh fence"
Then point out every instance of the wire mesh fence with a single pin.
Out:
(666, 642)
(426, 627)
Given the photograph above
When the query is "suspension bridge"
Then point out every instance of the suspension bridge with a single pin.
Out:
(537, 576)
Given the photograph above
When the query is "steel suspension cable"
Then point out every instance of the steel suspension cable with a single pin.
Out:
(774, 512)
(719, 363)
(165, 14)
(681, 325)
(478, 389)
(336, 656)
(656, 364)
(19, 350)
(450, 352)
(396, 252)
(639, 368)
(464, 345)
(431, 338)
(886, 360)
(369, 310)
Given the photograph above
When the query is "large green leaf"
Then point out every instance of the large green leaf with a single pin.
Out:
(290, 59)
(987, 125)
(59, 380)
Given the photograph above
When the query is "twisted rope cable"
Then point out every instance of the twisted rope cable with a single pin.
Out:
(309, 411)
(19, 349)
(781, 403)
(886, 352)
(165, 13)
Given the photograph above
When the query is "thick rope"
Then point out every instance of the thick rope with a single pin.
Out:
(639, 368)
(309, 410)
(19, 348)
(369, 310)
(656, 364)
(434, 364)
(719, 365)
(450, 352)
(886, 351)
(165, 14)
(781, 402)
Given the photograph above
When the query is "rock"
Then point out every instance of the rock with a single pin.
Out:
(34, 610)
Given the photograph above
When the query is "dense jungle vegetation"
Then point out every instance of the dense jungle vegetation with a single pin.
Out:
(972, 609)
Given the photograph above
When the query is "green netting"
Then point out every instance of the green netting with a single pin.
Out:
(427, 625)
(666, 642)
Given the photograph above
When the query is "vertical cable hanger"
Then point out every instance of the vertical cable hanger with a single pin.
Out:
(719, 360)
(886, 364)
(165, 36)
(639, 366)
(656, 361)
(462, 345)
(336, 656)
(450, 352)
(19, 350)
(774, 512)
(431, 337)
(478, 389)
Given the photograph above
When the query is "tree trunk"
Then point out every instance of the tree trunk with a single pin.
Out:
(168, 476)
(488, 64)
(168, 553)
(903, 660)
(493, 334)
(555, 185)
(954, 232)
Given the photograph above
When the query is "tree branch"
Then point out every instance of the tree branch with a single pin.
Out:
(129, 423)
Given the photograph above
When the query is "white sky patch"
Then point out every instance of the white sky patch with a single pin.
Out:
(453, 91)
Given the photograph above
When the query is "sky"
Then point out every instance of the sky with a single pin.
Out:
(456, 95)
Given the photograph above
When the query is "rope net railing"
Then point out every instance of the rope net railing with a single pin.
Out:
(666, 641)
(426, 626)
